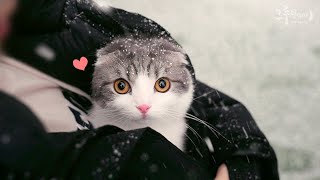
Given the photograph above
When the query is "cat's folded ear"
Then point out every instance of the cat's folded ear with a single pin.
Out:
(110, 51)
(107, 54)
(169, 46)
(174, 49)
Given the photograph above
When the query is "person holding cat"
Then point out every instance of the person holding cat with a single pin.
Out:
(68, 30)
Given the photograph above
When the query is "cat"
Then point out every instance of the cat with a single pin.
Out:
(142, 82)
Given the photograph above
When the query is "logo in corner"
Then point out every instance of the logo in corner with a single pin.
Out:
(294, 16)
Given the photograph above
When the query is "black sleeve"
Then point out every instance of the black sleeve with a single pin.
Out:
(235, 137)
(23, 142)
(27, 152)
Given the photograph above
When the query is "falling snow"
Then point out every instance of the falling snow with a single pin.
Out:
(153, 168)
(117, 152)
(144, 157)
(45, 52)
(245, 132)
(209, 144)
(5, 139)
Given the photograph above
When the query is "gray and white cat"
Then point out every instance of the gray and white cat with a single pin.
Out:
(142, 82)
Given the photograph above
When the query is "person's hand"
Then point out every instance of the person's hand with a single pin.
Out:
(222, 173)
(7, 8)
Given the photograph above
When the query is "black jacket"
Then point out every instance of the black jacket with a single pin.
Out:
(78, 28)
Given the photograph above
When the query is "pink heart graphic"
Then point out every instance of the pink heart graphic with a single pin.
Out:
(80, 64)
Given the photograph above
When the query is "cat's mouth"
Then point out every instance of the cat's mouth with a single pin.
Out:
(144, 116)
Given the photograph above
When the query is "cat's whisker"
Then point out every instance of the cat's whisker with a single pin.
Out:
(202, 121)
(112, 117)
(192, 142)
(212, 129)
(190, 116)
(189, 127)
(199, 138)
(215, 132)
(172, 111)
(120, 120)
(125, 123)
(194, 131)
(175, 116)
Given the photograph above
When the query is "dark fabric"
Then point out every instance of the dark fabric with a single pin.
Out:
(23, 143)
(77, 28)
(27, 152)
(237, 136)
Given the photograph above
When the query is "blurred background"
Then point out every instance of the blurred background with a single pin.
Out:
(265, 54)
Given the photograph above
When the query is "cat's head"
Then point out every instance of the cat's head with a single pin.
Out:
(141, 81)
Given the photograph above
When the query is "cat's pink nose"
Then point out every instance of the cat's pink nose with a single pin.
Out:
(144, 108)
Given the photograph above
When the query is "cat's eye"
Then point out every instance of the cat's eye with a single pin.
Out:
(121, 86)
(162, 85)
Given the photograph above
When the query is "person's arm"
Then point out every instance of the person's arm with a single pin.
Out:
(237, 141)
